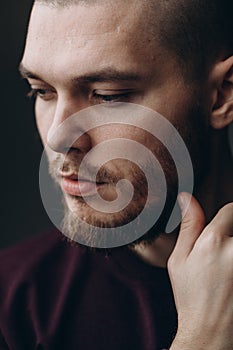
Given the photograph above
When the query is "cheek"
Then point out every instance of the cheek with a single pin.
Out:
(111, 132)
(44, 119)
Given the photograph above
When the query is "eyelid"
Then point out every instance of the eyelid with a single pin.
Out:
(39, 84)
(34, 81)
(113, 91)
(111, 96)
(42, 93)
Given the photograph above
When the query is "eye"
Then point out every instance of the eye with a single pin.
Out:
(44, 94)
(108, 98)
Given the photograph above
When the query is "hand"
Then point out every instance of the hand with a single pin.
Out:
(201, 273)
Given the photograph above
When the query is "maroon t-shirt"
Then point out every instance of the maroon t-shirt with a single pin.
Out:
(54, 295)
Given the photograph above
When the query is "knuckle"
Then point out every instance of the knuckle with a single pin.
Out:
(210, 240)
(171, 263)
(227, 208)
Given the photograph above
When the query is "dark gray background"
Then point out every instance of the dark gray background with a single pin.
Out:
(22, 213)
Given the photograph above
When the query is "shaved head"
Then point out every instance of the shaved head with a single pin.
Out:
(197, 32)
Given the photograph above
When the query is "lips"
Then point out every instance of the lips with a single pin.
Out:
(80, 188)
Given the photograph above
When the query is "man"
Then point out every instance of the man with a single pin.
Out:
(174, 57)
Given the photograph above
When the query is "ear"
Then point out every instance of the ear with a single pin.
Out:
(222, 109)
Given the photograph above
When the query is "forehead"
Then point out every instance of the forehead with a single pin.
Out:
(104, 32)
(79, 20)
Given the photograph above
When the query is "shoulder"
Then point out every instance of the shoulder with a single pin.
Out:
(22, 260)
(32, 247)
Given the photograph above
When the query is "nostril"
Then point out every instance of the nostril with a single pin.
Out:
(71, 150)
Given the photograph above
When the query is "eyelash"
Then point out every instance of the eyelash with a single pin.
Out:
(34, 93)
(41, 93)
(111, 98)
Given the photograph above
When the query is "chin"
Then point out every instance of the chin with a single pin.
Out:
(82, 223)
(77, 209)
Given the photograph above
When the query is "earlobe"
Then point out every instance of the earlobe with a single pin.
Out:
(222, 111)
(222, 116)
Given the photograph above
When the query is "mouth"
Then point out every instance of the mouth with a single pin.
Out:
(80, 187)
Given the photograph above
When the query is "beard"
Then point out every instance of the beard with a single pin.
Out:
(88, 226)
(95, 235)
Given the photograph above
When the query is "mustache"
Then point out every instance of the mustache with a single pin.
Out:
(71, 166)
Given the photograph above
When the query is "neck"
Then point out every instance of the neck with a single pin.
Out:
(216, 189)
(214, 192)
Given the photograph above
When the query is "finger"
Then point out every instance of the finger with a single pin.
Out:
(193, 223)
(222, 224)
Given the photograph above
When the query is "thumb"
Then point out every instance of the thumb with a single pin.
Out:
(193, 223)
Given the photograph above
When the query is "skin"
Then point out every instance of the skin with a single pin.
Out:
(78, 49)
(109, 42)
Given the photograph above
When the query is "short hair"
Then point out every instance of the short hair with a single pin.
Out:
(198, 32)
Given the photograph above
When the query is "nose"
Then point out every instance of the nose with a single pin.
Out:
(64, 133)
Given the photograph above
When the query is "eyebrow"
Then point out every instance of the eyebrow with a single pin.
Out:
(104, 75)
(26, 73)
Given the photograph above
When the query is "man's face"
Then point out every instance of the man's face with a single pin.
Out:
(81, 56)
